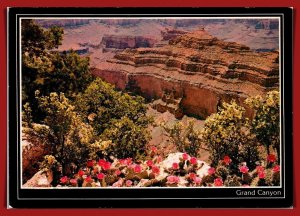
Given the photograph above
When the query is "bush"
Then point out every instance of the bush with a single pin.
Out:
(227, 133)
(265, 124)
(68, 134)
(128, 139)
(186, 138)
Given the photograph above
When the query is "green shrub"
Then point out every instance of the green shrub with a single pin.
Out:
(128, 139)
(227, 133)
(265, 124)
(186, 138)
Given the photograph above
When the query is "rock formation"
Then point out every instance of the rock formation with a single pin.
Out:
(197, 67)
(126, 41)
(33, 151)
(40, 179)
(169, 34)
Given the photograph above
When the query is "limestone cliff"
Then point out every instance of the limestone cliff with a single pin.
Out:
(200, 69)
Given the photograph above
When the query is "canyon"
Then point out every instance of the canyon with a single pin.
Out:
(200, 70)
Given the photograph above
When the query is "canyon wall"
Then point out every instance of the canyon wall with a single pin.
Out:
(200, 69)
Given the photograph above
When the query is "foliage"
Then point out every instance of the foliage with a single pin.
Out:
(69, 135)
(227, 132)
(101, 104)
(177, 170)
(186, 138)
(265, 124)
(46, 70)
(128, 138)
(115, 116)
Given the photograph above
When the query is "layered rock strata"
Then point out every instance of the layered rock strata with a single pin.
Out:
(197, 67)
(126, 41)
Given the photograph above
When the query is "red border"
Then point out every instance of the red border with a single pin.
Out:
(143, 3)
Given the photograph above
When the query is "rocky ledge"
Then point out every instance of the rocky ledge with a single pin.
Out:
(200, 69)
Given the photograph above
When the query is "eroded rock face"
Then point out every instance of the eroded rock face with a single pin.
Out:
(197, 67)
(169, 34)
(126, 41)
(33, 151)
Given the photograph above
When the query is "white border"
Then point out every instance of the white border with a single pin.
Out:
(152, 17)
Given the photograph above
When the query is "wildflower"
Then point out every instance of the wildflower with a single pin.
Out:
(193, 160)
(227, 160)
(118, 172)
(153, 149)
(175, 166)
(211, 171)
(172, 179)
(271, 158)
(63, 180)
(88, 179)
(100, 176)
(80, 173)
(260, 169)
(185, 156)
(218, 182)
(149, 163)
(137, 168)
(105, 165)
(126, 161)
(73, 181)
(128, 183)
(192, 175)
(90, 163)
(197, 180)
(155, 170)
(244, 169)
(261, 175)
(276, 168)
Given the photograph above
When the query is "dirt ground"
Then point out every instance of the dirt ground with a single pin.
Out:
(159, 137)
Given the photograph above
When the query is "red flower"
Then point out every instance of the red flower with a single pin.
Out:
(101, 162)
(155, 170)
(271, 158)
(100, 176)
(126, 161)
(137, 168)
(244, 169)
(261, 175)
(193, 160)
(73, 181)
(211, 171)
(197, 180)
(185, 156)
(90, 163)
(63, 180)
(276, 168)
(218, 182)
(88, 179)
(105, 165)
(80, 173)
(153, 149)
(175, 166)
(227, 160)
(260, 169)
(192, 175)
(118, 172)
(149, 163)
(172, 179)
(128, 183)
